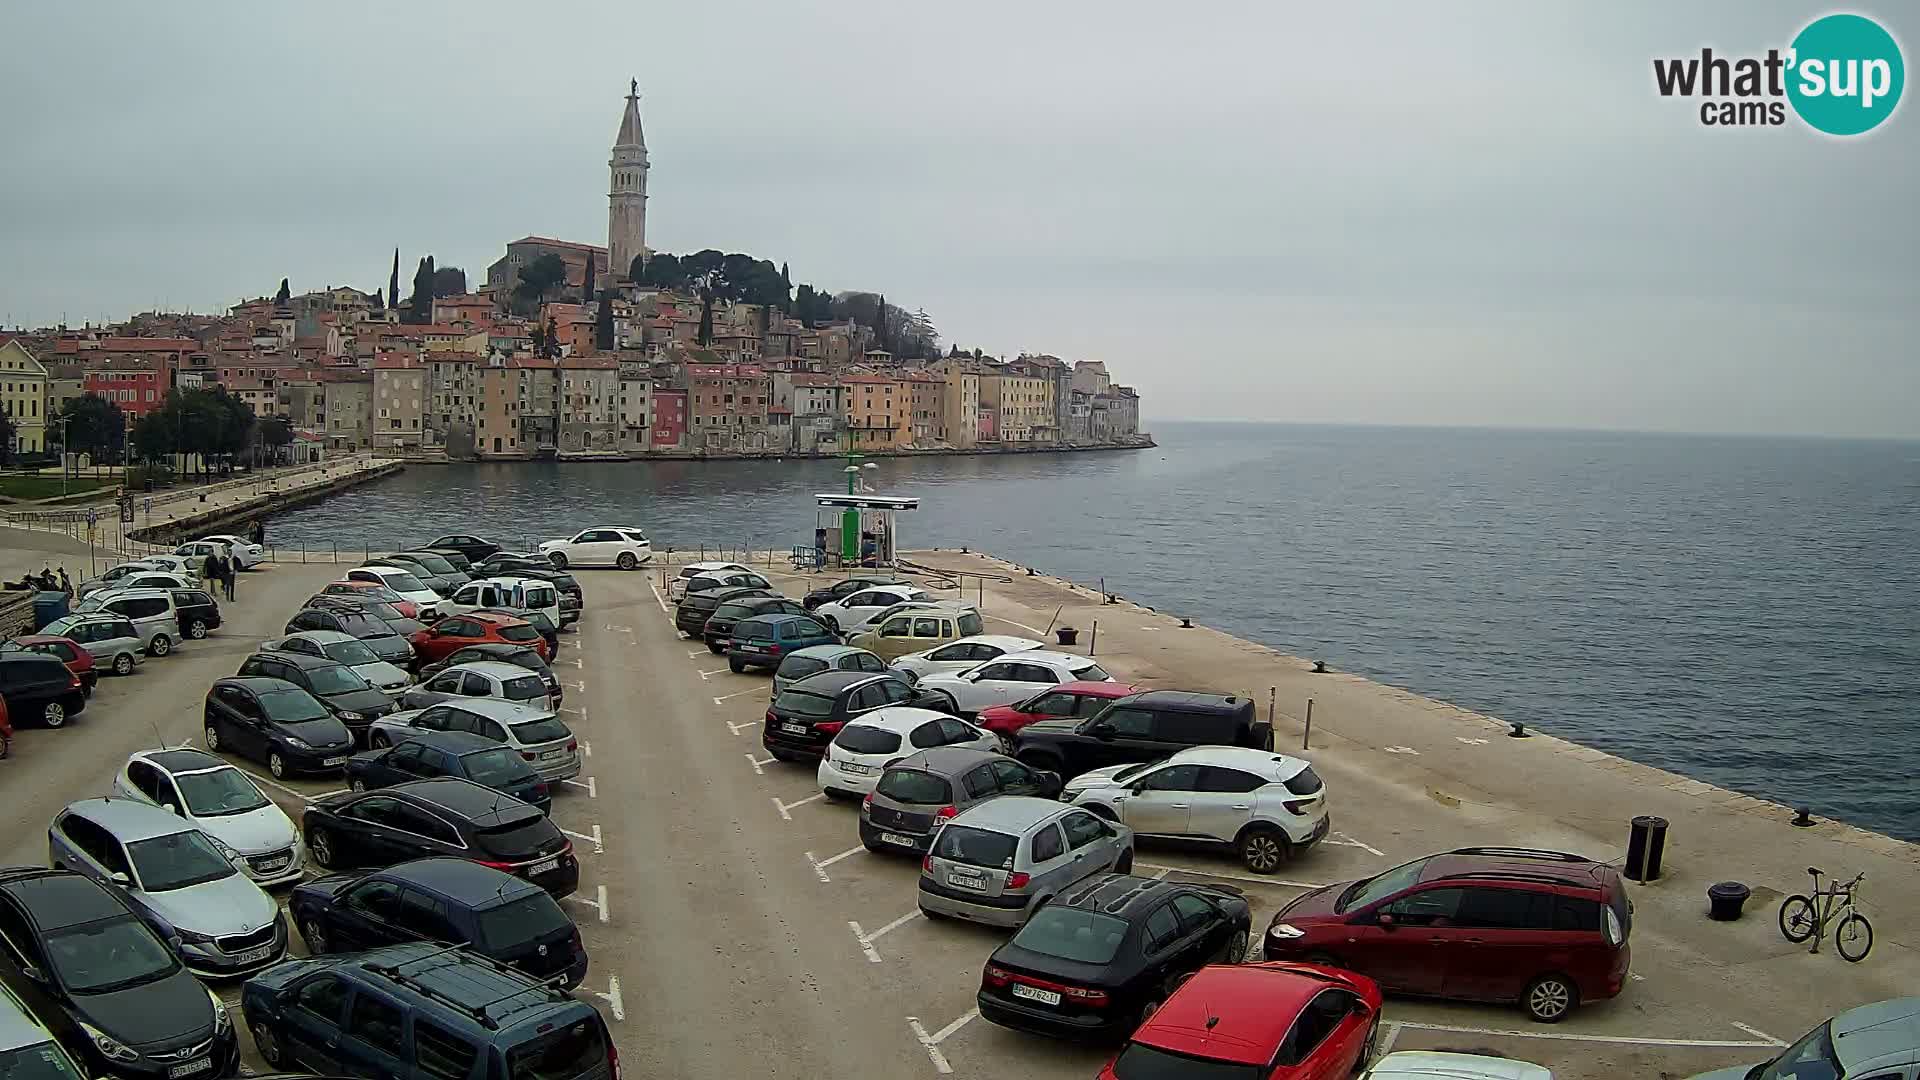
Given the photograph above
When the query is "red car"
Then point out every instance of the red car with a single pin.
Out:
(459, 631)
(1067, 700)
(66, 650)
(1545, 929)
(1257, 1022)
(379, 592)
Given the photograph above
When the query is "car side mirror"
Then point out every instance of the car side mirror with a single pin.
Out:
(1101, 732)
(120, 878)
(1385, 920)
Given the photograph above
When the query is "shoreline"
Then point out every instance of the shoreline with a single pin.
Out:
(1145, 442)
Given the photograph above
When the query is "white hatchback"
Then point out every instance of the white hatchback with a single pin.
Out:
(677, 586)
(851, 616)
(408, 586)
(1012, 678)
(1267, 807)
(245, 551)
(867, 745)
(223, 802)
(963, 654)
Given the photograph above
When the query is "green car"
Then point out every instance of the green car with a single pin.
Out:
(762, 641)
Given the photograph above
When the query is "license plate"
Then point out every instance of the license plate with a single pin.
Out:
(191, 1068)
(549, 755)
(543, 866)
(896, 838)
(1034, 993)
(254, 956)
(972, 884)
(852, 768)
(334, 761)
(271, 865)
(795, 729)
(746, 648)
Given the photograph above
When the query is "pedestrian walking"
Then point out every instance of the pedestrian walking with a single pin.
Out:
(259, 532)
(209, 572)
(66, 583)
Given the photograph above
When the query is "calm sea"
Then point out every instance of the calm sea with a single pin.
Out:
(1742, 610)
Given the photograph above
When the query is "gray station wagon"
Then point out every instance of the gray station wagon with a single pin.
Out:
(996, 863)
(915, 794)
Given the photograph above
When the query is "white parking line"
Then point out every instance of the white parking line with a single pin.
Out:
(820, 865)
(612, 998)
(932, 1042)
(1567, 1036)
(658, 599)
(737, 728)
(758, 762)
(1036, 631)
(580, 686)
(785, 807)
(619, 629)
(325, 794)
(866, 940)
(722, 699)
(1282, 882)
(1344, 840)
(715, 671)
(693, 655)
(579, 711)
(1386, 1040)
(585, 746)
(1757, 1033)
(599, 905)
(593, 789)
(575, 662)
(591, 838)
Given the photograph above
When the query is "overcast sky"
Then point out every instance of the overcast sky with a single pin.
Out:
(1386, 213)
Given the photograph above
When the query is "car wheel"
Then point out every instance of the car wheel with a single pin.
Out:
(320, 846)
(559, 560)
(736, 666)
(1550, 998)
(1263, 848)
(379, 740)
(197, 629)
(1369, 1048)
(54, 714)
(277, 765)
(626, 561)
(268, 1046)
(315, 934)
(1124, 864)
(1323, 959)
(123, 664)
(213, 739)
(831, 623)
(161, 645)
(1237, 948)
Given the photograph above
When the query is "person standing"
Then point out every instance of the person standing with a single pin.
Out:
(258, 534)
(209, 571)
(230, 572)
(66, 583)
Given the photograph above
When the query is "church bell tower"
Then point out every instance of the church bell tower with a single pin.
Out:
(627, 191)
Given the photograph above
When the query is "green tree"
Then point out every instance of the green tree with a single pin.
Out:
(449, 281)
(6, 439)
(155, 436)
(420, 304)
(539, 277)
(586, 283)
(393, 281)
(94, 426)
(276, 433)
(603, 324)
(280, 298)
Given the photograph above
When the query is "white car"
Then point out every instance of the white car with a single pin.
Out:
(409, 587)
(868, 744)
(349, 650)
(1439, 1065)
(176, 564)
(223, 802)
(246, 551)
(963, 654)
(135, 576)
(851, 616)
(1268, 807)
(1012, 678)
(603, 545)
(677, 586)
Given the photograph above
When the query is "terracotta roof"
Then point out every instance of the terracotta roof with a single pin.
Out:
(597, 363)
(451, 357)
(551, 242)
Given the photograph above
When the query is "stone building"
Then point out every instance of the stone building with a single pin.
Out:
(399, 402)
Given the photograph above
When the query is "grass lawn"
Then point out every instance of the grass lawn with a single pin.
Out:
(41, 486)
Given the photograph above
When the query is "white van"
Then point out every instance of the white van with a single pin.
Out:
(151, 611)
(505, 592)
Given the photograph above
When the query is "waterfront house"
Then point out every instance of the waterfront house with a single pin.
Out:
(399, 402)
(23, 394)
(879, 413)
(589, 404)
(958, 422)
(728, 407)
(668, 423)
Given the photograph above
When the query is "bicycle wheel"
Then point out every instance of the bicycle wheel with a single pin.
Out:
(1854, 938)
(1797, 918)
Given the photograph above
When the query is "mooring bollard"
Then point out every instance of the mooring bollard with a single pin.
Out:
(1646, 843)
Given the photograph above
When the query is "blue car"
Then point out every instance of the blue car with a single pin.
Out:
(451, 753)
(762, 641)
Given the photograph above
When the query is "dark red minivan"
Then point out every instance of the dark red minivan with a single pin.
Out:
(1545, 929)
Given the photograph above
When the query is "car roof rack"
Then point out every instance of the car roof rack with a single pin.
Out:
(1506, 875)
(1522, 853)
(478, 1013)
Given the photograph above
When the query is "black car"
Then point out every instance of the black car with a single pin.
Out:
(197, 611)
(719, 628)
(438, 565)
(457, 901)
(39, 687)
(1141, 727)
(345, 692)
(523, 655)
(439, 583)
(78, 955)
(808, 714)
(1095, 960)
(451, 753)
(506, 562)
(387, 637)
(846, 587)
(458, 818)
(454, 557)
(537, 619)
(274, 721)
(690, 618)
(473, 547)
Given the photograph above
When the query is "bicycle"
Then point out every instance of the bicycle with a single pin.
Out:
(1803, 917)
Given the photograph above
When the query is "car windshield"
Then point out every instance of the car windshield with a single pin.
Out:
(799, 667)
(578, 1050)
(111, 954)
(434, 563)
(1809, 1059)
(220, 792)
(732, 611)
(1087, 937)
(1138, 1061)
(335, 679)
(402, 582)
(45, 1061)
(349, 652)
(545, 729)
(177, 861)
(522, 922)
(969, 624)
(291, 707)
(804, 703)
(362, 625)
(524, 688)
(1362, 893)
(525, 658)
(379, 609)
(914, 786)
(519, 632)
(866, 739)
(496, 766)
(1091, 673)
(976, 847)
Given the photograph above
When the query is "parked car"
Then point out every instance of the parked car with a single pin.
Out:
(572, 599)
(916, 626)
(200, 550)
(28, 1047)
(221, 923)
(1012, 678)
(1271, 1021)
(404, 583)
(480, 593)
(847, 586)
(916, 794)
(244, 551)
(677, 585)
(115, 575)
(1871, 1042)
(539, 736)
(769, 641)
(85, 962)
(531, 593)
(188, 568)
(548, 630)
(1143, 727)
(808, 714)
(690, 618)
(849, 614)
(452, 901)
(445, 816)
(510, 562)
(481, 679)
(603, 545)
(39, 687)
(455, 1011)
(454, 556)
(327, 614)
(112, 639)
(1441, 1065)
(441, 585)
(1267, 807)
(74, 655)
(1104, 954)
(346, 649)
(473, 547)
(999, 861)
(462, 754)
(222, 802)
(404, 606)
(1546, 929)
(351, 699)
(864, 747)
(436, 564)
(966, 653)
(196, 611)
(724, 579)
(718, 631)
(459, 631)
(815, 659)
(151, 612)
(525, 656)
(1066, 701)
(274, 721)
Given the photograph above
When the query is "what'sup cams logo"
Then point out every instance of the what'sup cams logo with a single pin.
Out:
(1842, 75)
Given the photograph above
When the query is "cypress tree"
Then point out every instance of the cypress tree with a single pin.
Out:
(586, 286)
(393, 282)
(280, 298)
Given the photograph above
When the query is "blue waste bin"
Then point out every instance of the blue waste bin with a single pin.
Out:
(48, 606)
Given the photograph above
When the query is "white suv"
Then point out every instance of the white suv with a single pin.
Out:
(1266, 806)
(604, 545)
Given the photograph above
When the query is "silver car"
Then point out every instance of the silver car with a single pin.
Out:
(347, 649)
(112, 640)
(220, 923)
(481, 679)
(815, 659)
(223, 802)
(543, 740)
(151, 611)
(916, 793)
(997, 862)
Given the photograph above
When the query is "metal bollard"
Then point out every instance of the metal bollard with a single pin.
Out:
(1306, 734)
